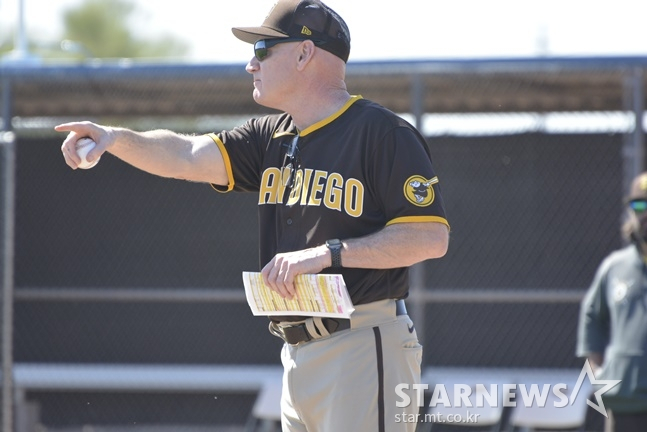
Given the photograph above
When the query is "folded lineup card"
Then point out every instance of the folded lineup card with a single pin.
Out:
(322, 295)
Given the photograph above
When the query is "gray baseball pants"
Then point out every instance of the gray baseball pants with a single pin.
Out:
(346, 381)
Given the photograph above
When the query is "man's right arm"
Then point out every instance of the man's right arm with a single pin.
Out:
(594, 320)
(596, 360)
(160, 152)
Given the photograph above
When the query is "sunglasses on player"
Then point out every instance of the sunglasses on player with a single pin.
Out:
(639, 205)
(261, 47)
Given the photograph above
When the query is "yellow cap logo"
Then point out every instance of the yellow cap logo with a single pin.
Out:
(306, 31)
(419, 191)
(643, 183)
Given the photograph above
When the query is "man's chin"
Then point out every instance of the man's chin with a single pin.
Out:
(643, 231)
(643, 236)
(259, 99)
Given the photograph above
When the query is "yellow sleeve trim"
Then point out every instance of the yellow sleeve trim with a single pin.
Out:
(409, 219)
(225, 158)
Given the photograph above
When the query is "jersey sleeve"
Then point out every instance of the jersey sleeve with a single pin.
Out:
(242, 149)
(403, 179)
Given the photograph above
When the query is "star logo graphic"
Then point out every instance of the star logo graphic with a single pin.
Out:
(607, 385)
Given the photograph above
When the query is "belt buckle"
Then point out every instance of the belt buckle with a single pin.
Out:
(297, 332)
(291, 333)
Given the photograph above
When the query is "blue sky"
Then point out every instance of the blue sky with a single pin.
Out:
(416, 29)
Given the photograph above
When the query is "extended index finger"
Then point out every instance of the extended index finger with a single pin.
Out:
(83, 127)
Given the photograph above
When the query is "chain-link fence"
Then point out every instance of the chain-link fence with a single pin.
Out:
(115, 266)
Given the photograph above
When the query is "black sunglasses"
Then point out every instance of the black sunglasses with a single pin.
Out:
(262, 46)
(291, 163)
(638, 206)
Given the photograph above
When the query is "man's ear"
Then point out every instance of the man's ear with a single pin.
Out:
(306, 51)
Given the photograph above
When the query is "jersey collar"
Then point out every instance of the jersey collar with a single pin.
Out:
(323, 122)
(331, 118)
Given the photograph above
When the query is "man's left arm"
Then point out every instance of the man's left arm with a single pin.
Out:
(396, 245)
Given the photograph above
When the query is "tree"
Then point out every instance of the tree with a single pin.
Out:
(101, 26)
(6, 42)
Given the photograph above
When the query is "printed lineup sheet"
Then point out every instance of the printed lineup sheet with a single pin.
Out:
(322, 295)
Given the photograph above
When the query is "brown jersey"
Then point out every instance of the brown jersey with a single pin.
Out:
(351, 174)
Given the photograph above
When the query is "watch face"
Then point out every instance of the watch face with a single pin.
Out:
(333, 242)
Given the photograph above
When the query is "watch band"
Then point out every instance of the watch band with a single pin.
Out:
(335, 246)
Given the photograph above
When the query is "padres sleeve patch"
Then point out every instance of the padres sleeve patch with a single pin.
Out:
(419, 191)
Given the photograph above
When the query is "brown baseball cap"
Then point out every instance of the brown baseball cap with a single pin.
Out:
(302, 19)
(638, 188)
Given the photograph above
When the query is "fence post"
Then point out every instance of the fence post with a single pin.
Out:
(633, 152)
(417, 271)
(639, 110)
(7, 215)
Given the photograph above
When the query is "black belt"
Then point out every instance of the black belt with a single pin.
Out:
(294, 334)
